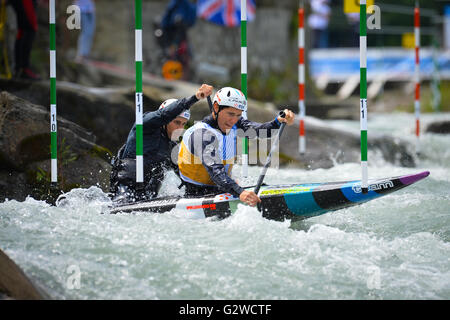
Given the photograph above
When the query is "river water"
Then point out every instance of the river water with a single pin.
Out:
(395, 247)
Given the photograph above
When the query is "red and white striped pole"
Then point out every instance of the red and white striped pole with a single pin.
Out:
(417, 72)
(301, 78)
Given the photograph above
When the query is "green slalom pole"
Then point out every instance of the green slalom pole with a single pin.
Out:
(53, 124)
(139, 96)
(363, 92)
(244, 80)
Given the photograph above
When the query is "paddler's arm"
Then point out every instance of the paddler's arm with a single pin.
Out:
(216, 169)
(266, 126)
(219, 176)
(163, 116)
(205, 145)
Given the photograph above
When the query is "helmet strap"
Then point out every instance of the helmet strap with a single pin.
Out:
(216, 114)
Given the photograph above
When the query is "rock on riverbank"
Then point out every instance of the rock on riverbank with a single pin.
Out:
(441, 127)
(25, 152)
(14, 284)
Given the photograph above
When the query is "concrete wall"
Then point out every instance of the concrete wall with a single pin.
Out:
(267, 41)
(270, 46)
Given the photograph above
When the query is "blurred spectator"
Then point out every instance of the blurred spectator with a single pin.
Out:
(179, 16)
(447, 26)
(179, 12)
(87, 8)
(353, 21)
(26, 31)
(318, 22)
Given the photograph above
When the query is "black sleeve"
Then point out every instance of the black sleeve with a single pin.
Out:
(163, 116)
(204, 145)
(259, 128)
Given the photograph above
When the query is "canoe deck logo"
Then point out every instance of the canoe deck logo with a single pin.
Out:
(286, 191)
(165, 202)
(374, 187)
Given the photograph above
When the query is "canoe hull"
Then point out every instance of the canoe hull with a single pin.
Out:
(299, 201)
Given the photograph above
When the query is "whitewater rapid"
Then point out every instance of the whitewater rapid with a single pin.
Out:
(395, 247)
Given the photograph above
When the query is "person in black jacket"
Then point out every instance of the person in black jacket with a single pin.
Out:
(161, 129)
(27, 25)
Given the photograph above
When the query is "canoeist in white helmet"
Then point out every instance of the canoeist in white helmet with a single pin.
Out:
(208, 149)
(161, 131)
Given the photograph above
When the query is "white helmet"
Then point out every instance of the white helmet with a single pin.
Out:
(185, 114)
(231, 97)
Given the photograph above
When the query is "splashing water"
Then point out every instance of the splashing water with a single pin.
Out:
(395, 247)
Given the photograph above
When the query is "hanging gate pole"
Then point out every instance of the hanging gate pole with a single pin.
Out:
(301, 79)
(53, 124)
(417, 72)
(363, 92)
(244, 81)
(139, 97)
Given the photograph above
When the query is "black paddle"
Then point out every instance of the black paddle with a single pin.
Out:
(269, 158)
(210, 103)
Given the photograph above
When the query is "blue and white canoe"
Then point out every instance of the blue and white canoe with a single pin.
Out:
(280, 202)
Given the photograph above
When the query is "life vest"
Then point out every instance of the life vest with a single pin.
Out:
(191, 167)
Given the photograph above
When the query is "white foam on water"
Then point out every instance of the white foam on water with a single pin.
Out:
(394, 247)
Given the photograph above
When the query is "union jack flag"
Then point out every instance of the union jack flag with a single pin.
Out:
(224, 12)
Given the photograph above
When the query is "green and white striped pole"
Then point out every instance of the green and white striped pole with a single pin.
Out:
(53, 125)
(363, 92)
(244, 80)
(139, 96)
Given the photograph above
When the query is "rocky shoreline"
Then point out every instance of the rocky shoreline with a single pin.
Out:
(14, 284)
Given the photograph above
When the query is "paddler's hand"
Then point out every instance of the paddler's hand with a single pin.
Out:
(204, 91)
(249, 197)
(288, 118)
